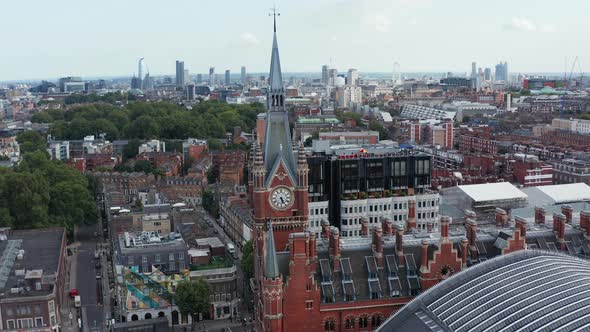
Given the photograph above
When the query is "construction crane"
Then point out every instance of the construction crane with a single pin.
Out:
(576, 62)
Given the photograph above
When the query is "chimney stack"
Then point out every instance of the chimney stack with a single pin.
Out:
(444, 228)
(424, 256)
(399, 244)
(559, 229)
(364, 227)
(313, 253)
(411, 223)
(567, 211)
(464, 243)
(335, 248)
(540, 215)
(501, 218)
(378, 245)
(471, 226)
(325, 229)
(585, 222)
(387, 225)
(520, 225)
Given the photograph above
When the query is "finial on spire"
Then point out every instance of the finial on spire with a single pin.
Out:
(274, 14)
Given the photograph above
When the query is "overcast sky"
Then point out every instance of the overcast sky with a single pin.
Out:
(44, 39)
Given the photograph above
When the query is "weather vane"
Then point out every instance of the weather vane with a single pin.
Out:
(274, 14)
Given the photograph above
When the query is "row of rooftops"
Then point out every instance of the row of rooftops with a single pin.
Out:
(352, 272)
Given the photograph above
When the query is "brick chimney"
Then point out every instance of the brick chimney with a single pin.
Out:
(520, 225)
(501, 218)
(424, 257)
(364, 227)
(585, 222)
(313, 253)
(559, 229)
(464, 244)
(335, 248)
(399, 244)
(325, 229)
(378, 245)
(387, 225)
(540, 215)
(445, 221)
(411, 223)
(567, 211)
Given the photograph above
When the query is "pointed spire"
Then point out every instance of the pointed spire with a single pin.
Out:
(276, 77)
(301, 157)
(257, 155)
(271, 267)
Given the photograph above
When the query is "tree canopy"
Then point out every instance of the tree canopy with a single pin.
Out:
(44, 193)
(30, 141)
(248, 260)
(146, 120)
(192, 298)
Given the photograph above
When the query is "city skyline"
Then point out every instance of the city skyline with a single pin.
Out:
(341, 33)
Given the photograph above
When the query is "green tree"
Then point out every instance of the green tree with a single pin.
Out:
(143, 166)
(131, 149)
(106, 127)
(209, 203)
(188, 162)
(30, 141)
(214, 144)
(192, 298)
(212, 175)
(144, 127)
(377, 126)
(42, 117)
(248, 260)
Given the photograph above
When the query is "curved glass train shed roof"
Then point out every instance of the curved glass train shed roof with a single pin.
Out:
(528, 290)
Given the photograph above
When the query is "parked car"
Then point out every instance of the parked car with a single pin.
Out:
(97, 265)
(74, 292)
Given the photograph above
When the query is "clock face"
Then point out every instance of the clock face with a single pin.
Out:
(281, 198)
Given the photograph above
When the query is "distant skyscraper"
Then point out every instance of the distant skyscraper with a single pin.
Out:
(474, 76)
(134, 82)
(211, 75)
(199, 78)
(243, 75)
(501, 73)
(353, 77)
(325, 77)
(187, 76)
(487, 74)
(190, 92)
(227, 77)
(148, 82)
(180, 73)
(332, 74)
(140, 73)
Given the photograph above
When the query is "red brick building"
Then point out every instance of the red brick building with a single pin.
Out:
(532, 172)
(229, 165)
(478, 139)
(305, 283)
(169, 162)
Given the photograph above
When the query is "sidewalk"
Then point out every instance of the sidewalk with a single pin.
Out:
(67, 307)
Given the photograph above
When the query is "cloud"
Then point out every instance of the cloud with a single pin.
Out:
(527, 25)
(249, 38)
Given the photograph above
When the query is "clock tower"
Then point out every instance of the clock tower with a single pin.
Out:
(278, 175)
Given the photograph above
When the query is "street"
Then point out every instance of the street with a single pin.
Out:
(91, 288)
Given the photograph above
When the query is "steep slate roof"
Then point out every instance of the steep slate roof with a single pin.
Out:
(277, 139)
(392, 277)
(271, 267)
